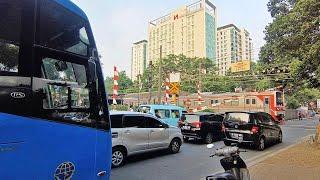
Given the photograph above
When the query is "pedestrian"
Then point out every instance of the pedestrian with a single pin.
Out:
(300, 115)
(157, 114)
(131, 108)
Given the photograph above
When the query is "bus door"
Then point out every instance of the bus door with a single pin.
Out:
(266, 104)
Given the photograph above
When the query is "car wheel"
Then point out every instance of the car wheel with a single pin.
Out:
(209, 138)
(280, 137)
(227, 143)
(185, 139)
(118, 157)
(175, 146)
(261, 144)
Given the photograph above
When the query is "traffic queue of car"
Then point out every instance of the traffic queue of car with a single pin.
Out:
(157, 127)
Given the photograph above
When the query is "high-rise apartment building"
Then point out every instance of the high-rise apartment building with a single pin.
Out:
(189, 30)
(233, 45)
(139, 59)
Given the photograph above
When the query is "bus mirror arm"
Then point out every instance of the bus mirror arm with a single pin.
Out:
(92, 70)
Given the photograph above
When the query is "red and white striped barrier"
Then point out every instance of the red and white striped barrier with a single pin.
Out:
(115, 85)
(167, 91)
(200, 100)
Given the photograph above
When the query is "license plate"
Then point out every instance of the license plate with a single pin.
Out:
(237, 136)
(234, 135)
(186, 127)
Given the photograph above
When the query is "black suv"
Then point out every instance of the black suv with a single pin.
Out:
(254, 128)
(204, 126)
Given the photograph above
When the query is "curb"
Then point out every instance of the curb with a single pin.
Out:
(261, 157)
(255, 160)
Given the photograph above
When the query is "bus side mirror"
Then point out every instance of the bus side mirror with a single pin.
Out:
(92, 70)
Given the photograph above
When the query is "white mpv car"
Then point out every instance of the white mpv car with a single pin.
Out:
(134, 132)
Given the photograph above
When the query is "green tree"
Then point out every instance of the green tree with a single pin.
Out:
(263, 84)
(124, 83)
(292, 102)
(8, 56)
(293, 39)
(108, 82)
(280, 7)
(189, 69)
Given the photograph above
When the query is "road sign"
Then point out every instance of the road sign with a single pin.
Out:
(174, 77)
(174, 88)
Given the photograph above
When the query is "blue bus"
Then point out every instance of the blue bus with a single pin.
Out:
(54, 119)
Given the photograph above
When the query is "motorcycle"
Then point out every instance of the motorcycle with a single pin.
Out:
(234, 166)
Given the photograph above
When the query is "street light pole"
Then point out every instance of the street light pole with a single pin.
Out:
(160, 73)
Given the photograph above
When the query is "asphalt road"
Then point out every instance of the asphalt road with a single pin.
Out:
(193, 162)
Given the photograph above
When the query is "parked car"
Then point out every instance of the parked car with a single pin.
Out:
(254, 128)
(170, 114)
(203, 126)
(134, 133)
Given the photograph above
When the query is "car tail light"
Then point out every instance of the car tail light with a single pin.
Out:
(255, 129)
(223, 128)
(196, 124)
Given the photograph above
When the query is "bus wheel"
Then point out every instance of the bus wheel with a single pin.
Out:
(118, 157)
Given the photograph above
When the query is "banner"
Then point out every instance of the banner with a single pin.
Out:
(241, 66)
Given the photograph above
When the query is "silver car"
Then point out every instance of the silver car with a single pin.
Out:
(134, 132)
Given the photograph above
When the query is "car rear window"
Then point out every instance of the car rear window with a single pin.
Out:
(116, 121)
(195, 118)
(192, 118)
(237, 117)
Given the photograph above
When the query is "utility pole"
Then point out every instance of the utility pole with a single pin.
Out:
(200, 74)
(140, 87)
(150, 81)
(160, 79)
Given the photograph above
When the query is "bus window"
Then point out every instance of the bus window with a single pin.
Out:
(10, 26)
(279, 99)
(66, 92)
(163, 113)
(175, 113)
(67, 35)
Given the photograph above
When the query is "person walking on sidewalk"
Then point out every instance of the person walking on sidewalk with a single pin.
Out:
(300, 115)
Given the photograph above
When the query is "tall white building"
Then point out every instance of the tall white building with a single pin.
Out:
(139, 59)
(233, 45)
(188, 30)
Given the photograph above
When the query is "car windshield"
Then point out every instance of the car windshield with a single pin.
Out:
(237, 117)
(144, 109)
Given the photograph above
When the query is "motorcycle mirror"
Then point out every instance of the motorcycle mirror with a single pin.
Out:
(210, 146)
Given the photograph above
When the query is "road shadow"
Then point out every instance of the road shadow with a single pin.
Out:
(199, 141)
(148, 155)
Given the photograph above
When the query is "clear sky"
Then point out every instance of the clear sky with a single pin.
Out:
(117, 24)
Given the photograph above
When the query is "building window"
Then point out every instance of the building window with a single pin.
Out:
(247, 101)
(253, 101)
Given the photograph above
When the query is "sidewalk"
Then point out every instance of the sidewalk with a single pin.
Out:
(300, 162)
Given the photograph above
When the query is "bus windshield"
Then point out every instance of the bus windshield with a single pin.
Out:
(69, 35)
(10, 28)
